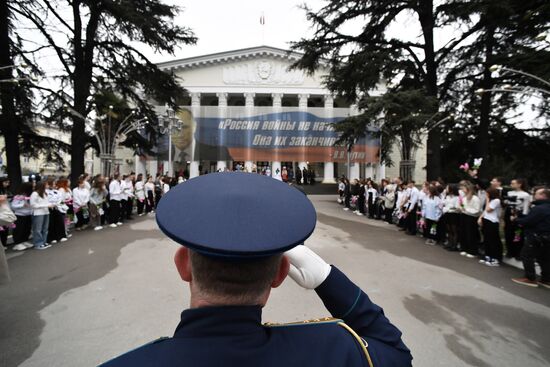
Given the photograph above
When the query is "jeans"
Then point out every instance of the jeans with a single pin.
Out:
(40, 229)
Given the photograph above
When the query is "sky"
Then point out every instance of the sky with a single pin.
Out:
(233, 24)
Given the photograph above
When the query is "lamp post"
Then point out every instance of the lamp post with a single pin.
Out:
(106, 140)
(167, 123)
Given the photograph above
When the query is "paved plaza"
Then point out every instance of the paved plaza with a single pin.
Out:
(103, 293)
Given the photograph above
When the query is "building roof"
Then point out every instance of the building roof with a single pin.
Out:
(228, 56)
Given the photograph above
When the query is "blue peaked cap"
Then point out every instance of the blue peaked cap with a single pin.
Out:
(236, 215)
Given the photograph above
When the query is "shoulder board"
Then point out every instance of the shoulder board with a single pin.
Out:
(362, 342)
(323, 320)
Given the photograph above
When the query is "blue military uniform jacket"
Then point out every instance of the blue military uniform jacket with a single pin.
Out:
(235, 336)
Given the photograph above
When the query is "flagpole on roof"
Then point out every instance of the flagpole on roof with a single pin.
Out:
(262, 23)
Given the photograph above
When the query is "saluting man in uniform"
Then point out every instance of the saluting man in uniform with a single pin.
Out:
(231, 271)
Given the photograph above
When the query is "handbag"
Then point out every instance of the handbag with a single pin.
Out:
(7, 216)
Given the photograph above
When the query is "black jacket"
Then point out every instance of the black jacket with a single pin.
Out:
(538, 219)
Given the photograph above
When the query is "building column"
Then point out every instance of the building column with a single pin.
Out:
(249, 107)
(354, 171)
(302, 106)
(195, 110)
(328, 175)
(369, 171)
(276, 167)
(222, 113)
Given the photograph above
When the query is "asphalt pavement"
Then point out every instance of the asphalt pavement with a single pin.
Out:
(102, 293)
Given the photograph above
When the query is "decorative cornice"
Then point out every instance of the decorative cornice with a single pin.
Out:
(230, 56)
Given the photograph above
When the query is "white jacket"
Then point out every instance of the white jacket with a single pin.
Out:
(81, 197)
(140, 190)
(115, 190)
(39, 204)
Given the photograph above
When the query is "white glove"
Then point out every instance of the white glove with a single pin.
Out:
(307, 268)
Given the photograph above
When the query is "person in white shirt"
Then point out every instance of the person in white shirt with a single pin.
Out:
(21, 207)
(451, 216)
(81, 197)
(149, 195)
(431, 212)
(470, 209)
(165, 185)
(371, 194)
(411, 207)
(115, 196)
(489, 222)
(98, 195)
(127, 203)
(66, 204)
(123, 198)
(518, 203)
(56, 228)
(40, 216)
(140, 194)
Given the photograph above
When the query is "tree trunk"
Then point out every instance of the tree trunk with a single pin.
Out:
(482, 141)
(427, 22)
(8, 120)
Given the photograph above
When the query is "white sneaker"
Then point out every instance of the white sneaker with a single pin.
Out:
(141, 215)
(346, 209)
(43, 247)
(27, 244)
(119, 223)
(463, 253)
(97, 228)
(19, 247)
(470, 256)
(493, 262)
(69, 235)
(358, 213)
(113, 225)
(64, 239)
(53, 242)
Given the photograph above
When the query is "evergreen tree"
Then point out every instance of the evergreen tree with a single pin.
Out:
(105, 40)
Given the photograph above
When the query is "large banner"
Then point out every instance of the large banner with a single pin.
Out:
(262, 134)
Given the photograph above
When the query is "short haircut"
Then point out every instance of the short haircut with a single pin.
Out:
(241, 281)
(545, 191)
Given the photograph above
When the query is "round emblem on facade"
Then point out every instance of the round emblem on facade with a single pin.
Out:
(264, 70)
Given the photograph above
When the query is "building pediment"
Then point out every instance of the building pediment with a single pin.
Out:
(252, 69)
(252, 53)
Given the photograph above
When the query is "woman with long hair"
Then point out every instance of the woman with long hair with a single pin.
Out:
(98, 195)
(56, 227)
(65, 207)
(81, 197)
(470, 208)
(489, 223)
(149, 195)
(115, 197)
(431, 212)
(140, 194)
(451, 213)
(40, 215)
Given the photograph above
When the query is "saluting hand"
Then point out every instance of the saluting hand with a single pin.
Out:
(307, 268)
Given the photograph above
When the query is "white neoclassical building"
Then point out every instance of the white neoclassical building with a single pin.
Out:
(245, 107)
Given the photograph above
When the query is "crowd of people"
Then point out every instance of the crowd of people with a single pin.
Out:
(472, 217)
(48, 210)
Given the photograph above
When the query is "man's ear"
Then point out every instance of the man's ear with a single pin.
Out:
(284, 266)
(183, 263)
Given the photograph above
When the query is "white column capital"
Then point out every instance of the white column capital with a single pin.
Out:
(329, 101)
(302, 100)
(249, 99)
(277, 99)
(195, 99)
(222, 99)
